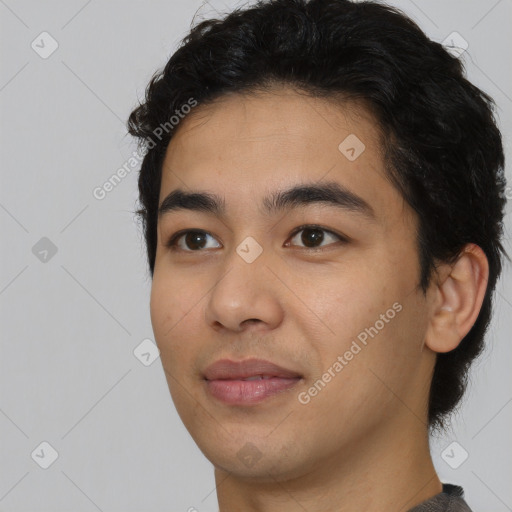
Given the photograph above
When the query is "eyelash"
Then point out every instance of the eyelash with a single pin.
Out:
(172, 242)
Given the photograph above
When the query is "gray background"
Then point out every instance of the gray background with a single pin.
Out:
(70, 321)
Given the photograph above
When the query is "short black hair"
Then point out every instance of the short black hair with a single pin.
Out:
(441, 144)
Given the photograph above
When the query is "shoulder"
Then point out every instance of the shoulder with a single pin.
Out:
(451, 499)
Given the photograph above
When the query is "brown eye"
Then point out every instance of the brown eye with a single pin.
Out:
(313, 237)
(190, 241)
(195, 240)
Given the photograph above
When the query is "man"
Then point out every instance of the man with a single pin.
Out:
(322, 198)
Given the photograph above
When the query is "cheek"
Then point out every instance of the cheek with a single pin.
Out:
(375, 306)
(173, 310)
(388, 324)
(348, 302)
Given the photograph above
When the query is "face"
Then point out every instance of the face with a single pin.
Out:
(308, 262)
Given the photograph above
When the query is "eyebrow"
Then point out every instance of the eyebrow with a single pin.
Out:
(329, 193)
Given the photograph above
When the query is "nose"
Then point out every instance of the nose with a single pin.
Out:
(246, 296)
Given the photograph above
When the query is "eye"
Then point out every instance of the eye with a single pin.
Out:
(313, 236)
(190, 240)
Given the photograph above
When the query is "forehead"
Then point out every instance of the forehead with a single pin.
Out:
(244, 146)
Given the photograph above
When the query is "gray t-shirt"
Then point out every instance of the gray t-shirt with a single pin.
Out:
(450, 499)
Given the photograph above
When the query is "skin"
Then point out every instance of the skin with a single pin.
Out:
(362, 442)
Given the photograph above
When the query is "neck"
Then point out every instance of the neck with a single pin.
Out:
(391, 470)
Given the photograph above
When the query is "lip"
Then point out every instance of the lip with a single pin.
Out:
(224, 380)
(236, 370)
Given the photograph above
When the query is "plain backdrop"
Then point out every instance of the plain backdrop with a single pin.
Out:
(74, 286)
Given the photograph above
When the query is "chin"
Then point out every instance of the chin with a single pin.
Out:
(256, 460)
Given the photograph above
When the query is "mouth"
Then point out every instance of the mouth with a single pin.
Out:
(248, 382)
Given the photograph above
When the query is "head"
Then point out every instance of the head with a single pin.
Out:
(319, 97)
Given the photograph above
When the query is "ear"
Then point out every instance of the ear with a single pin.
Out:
(457, 298)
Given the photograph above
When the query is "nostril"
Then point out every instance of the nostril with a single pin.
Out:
(251, 320)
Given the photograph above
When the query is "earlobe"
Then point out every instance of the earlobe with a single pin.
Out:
(457, 298)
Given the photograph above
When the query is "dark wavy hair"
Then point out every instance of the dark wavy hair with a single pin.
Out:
(441, 144)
